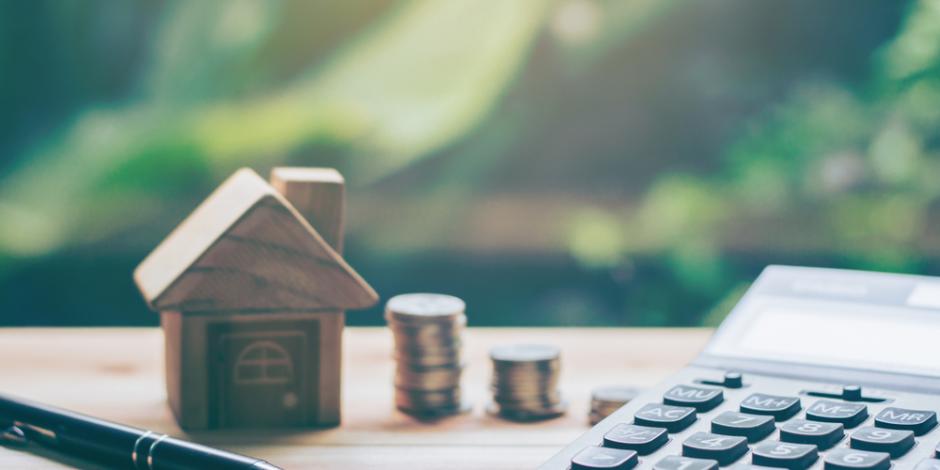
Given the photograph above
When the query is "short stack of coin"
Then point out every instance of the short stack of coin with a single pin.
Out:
(606, 400)
(525, 382)
(427, 330)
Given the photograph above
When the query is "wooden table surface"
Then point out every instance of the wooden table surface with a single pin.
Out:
(117, 374)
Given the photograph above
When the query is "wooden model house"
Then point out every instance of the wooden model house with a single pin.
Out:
(251, 291)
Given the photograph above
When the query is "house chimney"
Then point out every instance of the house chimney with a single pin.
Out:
(317, 193)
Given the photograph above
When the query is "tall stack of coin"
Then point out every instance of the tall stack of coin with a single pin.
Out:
(606, 400)
(427, 329)
(525, 382)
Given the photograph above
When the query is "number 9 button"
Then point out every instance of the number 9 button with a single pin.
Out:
(893, 441)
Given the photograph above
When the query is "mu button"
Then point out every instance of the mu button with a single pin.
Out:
(849, 414)
(700, 398)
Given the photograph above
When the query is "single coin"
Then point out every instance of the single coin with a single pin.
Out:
(614, 394)
(415, 399)
(554, 411)
(436, 412)
(424, 307)
(524, 353)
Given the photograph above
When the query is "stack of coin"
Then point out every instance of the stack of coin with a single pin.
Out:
(606, 400)
(427, 328)
(525, 382)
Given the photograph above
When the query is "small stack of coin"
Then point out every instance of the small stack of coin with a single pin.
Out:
(606, 400)
(427, 329)
(525, 382)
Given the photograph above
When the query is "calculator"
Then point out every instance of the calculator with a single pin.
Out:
(812, 369)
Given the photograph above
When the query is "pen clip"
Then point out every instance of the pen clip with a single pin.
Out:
(12, 435)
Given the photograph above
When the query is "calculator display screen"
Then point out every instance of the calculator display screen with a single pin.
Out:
(839, 331)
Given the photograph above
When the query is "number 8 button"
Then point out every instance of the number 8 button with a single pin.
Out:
(801, 431)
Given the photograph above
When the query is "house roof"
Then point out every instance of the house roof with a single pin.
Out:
(246, 249)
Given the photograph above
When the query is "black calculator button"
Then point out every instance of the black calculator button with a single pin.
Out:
(928, 464)
(781, 408)
(851, 459)
(705, 445)
(592, 458)
(919, 421)
(643, 439)
(849, 414)
(700, 398)
(733, 380)
(852, 393)
(822, 435)
(674, 462)
(753, 427)
(784, 454)
(673, 418)
(750, 466)
(893, 441)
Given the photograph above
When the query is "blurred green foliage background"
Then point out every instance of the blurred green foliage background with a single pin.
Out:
(567, 162)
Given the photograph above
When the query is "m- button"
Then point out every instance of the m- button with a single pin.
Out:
(700, 398)
(919, 421)
(849, 414)
(781, 408)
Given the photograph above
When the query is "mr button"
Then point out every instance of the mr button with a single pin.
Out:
(781, 408)
(919, 421)
(849, 414)
(700, 398)
(673, 418)
(593, 458)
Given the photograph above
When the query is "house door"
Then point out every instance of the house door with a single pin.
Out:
(265, 375)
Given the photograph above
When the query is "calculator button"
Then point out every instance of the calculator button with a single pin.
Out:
(852, 393)
(724, 449)
(928, 464)
(643, 439)
(700, 398)
(733, 380)
(893, 441)
(849, 414)
(604, 458)
(674, 462)
(850, 459)
(822, 435)
(673, 418)
(753, 427)
(783, 454)
(750, 466)
(781, 408)
(919, 421)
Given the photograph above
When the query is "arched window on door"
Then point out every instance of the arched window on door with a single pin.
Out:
(264, 362)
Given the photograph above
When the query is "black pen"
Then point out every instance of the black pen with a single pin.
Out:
(116, 444)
